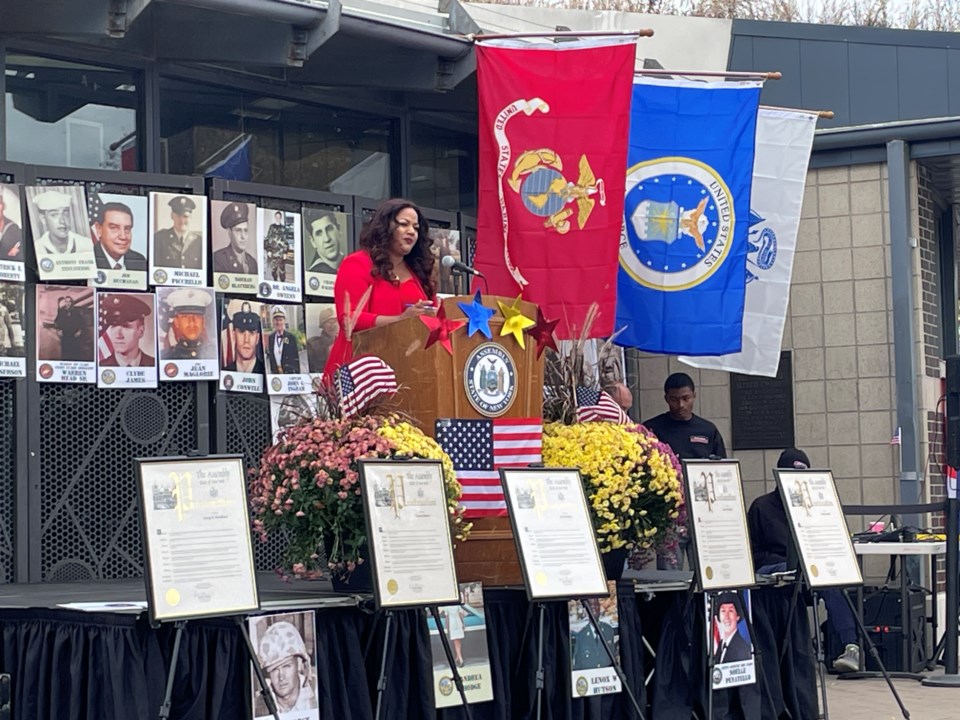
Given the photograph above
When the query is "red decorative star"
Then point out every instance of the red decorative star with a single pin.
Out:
(442, 329)
(542, 332)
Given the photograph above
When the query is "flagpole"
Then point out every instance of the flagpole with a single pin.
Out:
(735, 74)
(822, 114)
(641, 32)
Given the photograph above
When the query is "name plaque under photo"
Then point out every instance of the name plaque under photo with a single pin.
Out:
(554, 533)
(196, 537)
(718, 524)
(818, 527)
(408, 531)
(761, 409)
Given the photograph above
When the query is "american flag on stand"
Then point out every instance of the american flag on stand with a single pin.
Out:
(479, 448)
(361, 381)
(596, 405)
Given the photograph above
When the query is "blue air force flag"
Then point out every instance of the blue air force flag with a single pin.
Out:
(680, 288)
(784, 139)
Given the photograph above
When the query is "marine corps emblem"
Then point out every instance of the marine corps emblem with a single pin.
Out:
(538, 178)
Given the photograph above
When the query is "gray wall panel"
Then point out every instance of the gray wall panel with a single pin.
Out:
(923, 82)
(865, 75)
(741, 52)
(953, 84)
(823, 79)
(782, 55)
(872, 70)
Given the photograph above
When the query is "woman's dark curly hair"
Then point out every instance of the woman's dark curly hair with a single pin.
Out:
(375, 239)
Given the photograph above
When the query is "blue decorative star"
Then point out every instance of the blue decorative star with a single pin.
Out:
(478, 316)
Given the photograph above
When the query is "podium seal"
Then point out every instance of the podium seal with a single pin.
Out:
(490, 379)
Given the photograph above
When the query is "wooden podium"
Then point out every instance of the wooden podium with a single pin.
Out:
(432, 386)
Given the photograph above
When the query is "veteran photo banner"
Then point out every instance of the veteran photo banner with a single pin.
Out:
(784, 140)
(553, 144)
(683, 252)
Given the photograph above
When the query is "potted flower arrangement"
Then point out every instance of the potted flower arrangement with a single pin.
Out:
(631, 481)
(308, 487)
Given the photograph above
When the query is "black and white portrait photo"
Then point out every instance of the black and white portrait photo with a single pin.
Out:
(61, 232)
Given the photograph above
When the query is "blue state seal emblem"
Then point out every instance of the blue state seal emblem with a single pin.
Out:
(490, 379)
(679, 223)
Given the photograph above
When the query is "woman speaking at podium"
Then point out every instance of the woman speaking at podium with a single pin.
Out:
(396, 263)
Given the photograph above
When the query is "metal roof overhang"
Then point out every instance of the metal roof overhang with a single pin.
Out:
(365, 44)
(933, 141)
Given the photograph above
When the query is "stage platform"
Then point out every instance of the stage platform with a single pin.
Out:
(276, 594)
(111, 663)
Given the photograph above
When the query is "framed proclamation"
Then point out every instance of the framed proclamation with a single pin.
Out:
(554, 533)
(818, 527)
(408, 528)
(196, 537)
(718, 524)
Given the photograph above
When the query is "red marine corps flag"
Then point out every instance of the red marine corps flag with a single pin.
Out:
(554, 122)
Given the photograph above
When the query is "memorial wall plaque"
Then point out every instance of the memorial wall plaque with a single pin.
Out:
(762, 409)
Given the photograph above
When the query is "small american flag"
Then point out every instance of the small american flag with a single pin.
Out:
(362, 381)
(479, 448)
(94, 203)
(596, 405)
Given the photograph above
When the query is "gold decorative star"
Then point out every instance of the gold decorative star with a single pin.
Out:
(514, 321)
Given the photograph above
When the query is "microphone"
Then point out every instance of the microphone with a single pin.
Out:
(456, 266)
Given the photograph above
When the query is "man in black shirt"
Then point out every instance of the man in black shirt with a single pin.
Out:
(688, 435)
(769, 540)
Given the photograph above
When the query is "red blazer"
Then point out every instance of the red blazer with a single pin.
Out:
(353, 279)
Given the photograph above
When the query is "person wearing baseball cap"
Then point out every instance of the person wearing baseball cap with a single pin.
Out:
(178, 246)
(769, 540)
(234, 258)
(283, 656)
(56, 214)
(188, 310)
(122, 320)
(246, 334)
(281, 350)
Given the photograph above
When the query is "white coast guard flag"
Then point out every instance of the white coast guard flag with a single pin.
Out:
(784, 139)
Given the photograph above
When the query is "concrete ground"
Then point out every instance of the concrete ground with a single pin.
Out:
(870, 699)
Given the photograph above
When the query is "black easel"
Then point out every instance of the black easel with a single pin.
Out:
(613, 659)
(873, 653)
(711, 652)
(457, 680)
(382, 679)
(258, 670)
(821, 655)
(539, 677)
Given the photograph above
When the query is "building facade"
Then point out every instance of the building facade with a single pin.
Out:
(367, 100)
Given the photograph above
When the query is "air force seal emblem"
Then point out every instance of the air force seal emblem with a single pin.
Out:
(490, 379)
(679, 223)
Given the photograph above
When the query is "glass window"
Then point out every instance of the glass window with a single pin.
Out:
(70, 114)
(443, 168)
(221, 132)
